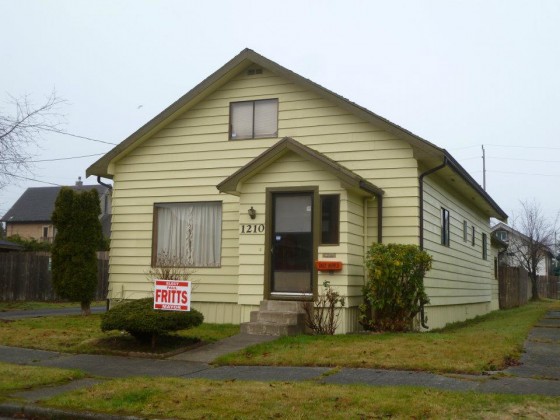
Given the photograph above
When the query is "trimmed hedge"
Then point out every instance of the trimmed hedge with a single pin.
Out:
(143, 322)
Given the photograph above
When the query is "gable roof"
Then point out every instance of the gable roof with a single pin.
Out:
(515, 233)
(9, 246)
(37, 204)
(429, 153)
(287, 144)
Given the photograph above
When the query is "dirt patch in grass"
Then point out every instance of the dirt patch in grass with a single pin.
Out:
(126, 345)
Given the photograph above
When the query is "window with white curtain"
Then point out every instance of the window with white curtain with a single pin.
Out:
(189, 234)
(253, 119)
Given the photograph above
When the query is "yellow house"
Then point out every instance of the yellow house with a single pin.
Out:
(257, 174)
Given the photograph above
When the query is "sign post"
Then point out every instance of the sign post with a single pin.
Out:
(172, 295)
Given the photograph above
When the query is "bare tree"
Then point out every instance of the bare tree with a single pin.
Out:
(23, 129)
(534, 241)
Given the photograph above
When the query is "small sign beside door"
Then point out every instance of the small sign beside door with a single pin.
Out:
(252, 228)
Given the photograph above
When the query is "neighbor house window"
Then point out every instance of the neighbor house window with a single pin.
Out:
(330, 219)
(253, 119)
(473, 236)
(445, 227)
(484, 247)
(188, 234)
(45, 232)
(465, 231)
(502, 235)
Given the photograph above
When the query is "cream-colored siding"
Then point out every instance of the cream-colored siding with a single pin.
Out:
(188, 157)
(460, 275)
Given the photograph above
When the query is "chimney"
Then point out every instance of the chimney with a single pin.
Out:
(79, 182)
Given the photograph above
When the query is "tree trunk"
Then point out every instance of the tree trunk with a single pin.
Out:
(86, 309)
(534, 288)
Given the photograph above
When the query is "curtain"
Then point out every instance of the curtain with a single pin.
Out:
(190, 233)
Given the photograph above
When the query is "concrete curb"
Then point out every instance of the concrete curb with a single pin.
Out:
(31, 411)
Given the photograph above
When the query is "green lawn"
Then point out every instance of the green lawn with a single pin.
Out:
(186, 399)
(490, 342)
(82, 334)
(15, 378)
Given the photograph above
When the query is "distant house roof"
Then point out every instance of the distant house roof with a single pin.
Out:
(37, 204)
(9, 246)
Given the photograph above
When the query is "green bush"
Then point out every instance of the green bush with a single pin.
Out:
(394, 291)
(31, 245)
(74, 259)
(143, 322)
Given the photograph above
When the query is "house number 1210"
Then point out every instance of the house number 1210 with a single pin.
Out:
(252, 228)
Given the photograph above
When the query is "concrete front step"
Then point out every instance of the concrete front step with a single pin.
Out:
(281, 318)
(276, 317)
(262, 328)
(282, 306)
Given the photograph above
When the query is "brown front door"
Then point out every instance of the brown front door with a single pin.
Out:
(292, 244)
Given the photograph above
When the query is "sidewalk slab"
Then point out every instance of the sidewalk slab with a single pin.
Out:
(261, 373)
(21, 356)
(209, 352)
(349, 376)
(39, 394)
(34, 313)
(521, 386)
(118, 366)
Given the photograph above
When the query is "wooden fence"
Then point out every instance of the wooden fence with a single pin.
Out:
(515, 287)
(27, 276)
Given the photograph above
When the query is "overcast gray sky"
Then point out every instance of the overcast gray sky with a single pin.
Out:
(460, 74)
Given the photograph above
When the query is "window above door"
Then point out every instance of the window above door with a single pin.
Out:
(253, 119)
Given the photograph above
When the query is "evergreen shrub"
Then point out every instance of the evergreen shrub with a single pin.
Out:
(143, 322)
(394, 290)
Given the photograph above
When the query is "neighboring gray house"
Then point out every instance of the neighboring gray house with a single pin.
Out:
(510, 258)
(30, 216)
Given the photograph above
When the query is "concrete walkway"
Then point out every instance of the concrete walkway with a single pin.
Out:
(538, 373)
(34, 313)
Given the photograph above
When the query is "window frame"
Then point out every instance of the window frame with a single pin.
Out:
(445, 227)
(337, 196)
(465, 231)
(254, 101)
(484, 246)
(473, 239)
(155, 226)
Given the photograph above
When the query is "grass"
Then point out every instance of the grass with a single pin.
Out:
(82, 334)
(6, 306)
(182, 399)
(490, 342)
(15, 377)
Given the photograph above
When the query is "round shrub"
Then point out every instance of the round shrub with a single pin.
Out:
(143, 322)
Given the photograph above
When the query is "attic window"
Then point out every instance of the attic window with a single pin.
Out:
(253, 119)
(252, 72)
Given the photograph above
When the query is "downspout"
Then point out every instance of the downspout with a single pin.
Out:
(379, 219)
(102, 183)
(110, 187)
(421, 215)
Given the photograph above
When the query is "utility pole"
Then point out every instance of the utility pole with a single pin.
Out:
(483, 168)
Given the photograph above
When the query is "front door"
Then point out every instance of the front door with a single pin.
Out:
(292, 245)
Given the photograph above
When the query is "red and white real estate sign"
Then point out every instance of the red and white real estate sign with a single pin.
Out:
(172, 295)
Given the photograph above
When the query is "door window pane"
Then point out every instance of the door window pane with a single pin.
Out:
(330, 218)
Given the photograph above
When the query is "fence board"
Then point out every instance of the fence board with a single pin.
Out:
(515, 287)
(27, 276)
